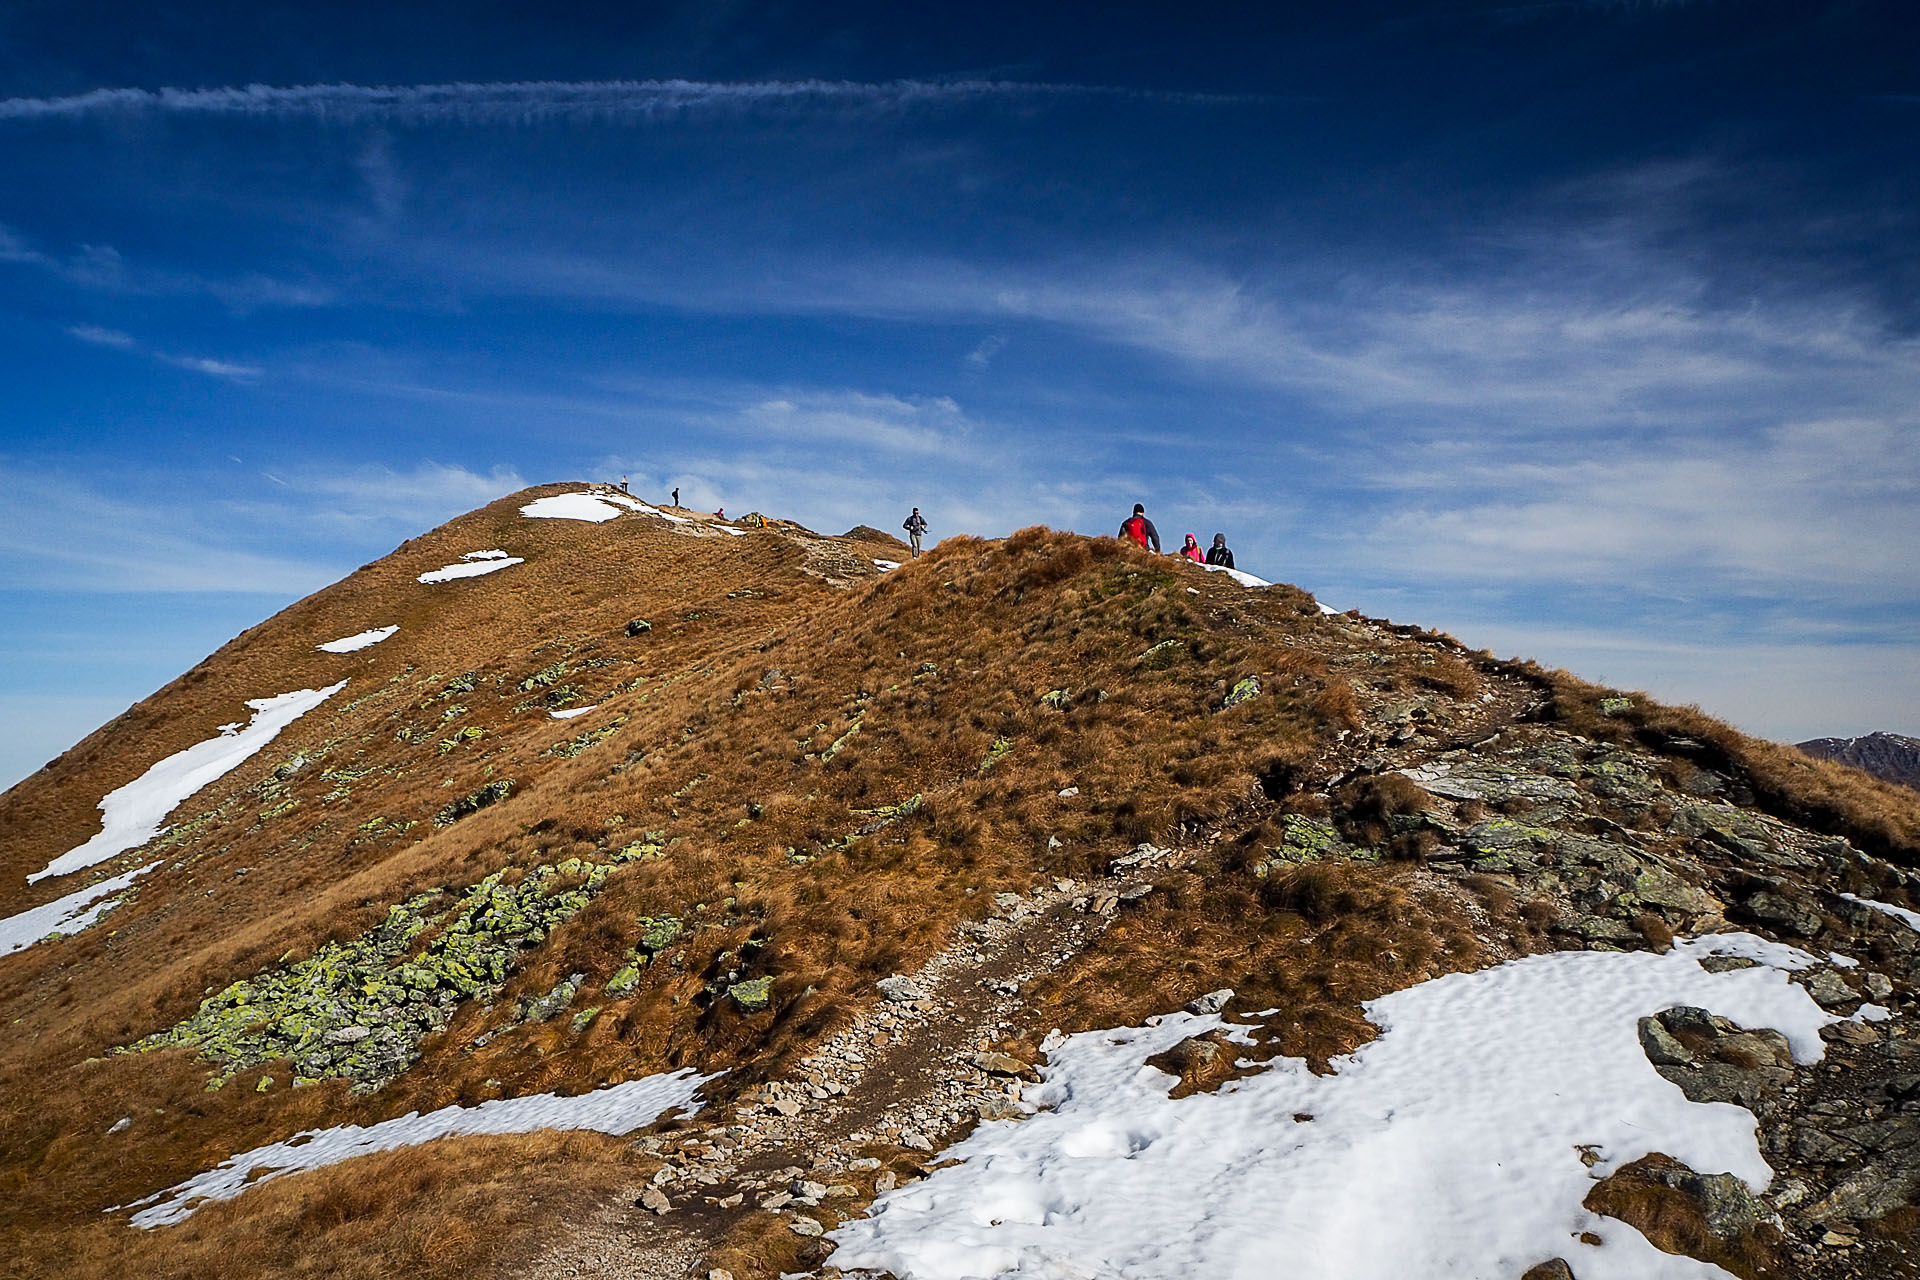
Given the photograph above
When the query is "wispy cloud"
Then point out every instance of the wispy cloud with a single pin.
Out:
(542, 101)
(101, 337)
(104, 269)
(981, 356)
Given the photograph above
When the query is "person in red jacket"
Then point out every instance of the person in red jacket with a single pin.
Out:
(1139, 529)
(1190, 549)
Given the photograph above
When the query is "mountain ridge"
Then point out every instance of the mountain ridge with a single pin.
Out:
(1099, 782)
(1891, 757)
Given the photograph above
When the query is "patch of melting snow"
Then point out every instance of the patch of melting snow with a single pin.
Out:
(134, 814)
(885, 565)
(1239, 576)
(353, 643)
(65, 915)
(618, 1109)
(472, 565)
(571, 712)
(1449, 1146)
(1327, 609)
(1912, 918)
(729, 529)
(572, 506)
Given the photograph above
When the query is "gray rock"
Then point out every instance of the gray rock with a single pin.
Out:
(1829, 989)
(1212, 1002)
(900, 989)
(639, 627)
(654, 1200)
(1781, 912)
(805, 1226)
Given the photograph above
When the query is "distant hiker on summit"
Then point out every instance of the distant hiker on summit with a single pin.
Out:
(1190, 550)
(915, 525)
(1140, 529)
(1218, 553)
(676, 497)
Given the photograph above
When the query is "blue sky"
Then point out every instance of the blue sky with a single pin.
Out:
(1585, 331)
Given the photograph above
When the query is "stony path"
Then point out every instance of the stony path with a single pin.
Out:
(914, 1071)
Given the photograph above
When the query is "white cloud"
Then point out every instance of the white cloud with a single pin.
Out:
(100, 337)
(212, 368)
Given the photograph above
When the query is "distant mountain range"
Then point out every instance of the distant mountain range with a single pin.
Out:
(1892, 756)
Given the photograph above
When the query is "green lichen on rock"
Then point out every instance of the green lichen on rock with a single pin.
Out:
(469, 734)
(359, 1009)
(551, 1004)
(584, 1018)
(996, 752)
(591, 738)
(659, 933)
(1615, 707)
(881, 817)
(544, 677)
(1243, 691)
(752, 995)
(1058, 699)
(1303, 840)
(492, 793)
(1162, 655)
(626, 978)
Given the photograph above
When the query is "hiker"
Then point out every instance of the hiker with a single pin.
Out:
(720, 514)
(1139, 529)
(1190, 550)
(1218, 553)
(915, 525)
(676, 499)
(623, 484)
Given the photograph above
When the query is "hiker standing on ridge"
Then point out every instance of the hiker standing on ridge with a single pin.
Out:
(915, 525)
(1218, 553)
(1190, 550)
(676, 498)
(1139, 529)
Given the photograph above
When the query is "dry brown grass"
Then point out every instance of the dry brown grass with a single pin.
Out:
(1675, 1222)
(935, 664)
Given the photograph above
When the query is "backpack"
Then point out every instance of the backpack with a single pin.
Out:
(1136, 528)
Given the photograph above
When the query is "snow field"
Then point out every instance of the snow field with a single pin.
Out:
(572, 506)
(1447, 1147)
(1239, 576)
(65, 915)
(571, 712)
(617, 1109)
(472, 565)
(354, 643)
(1910, 918)
(134, 814)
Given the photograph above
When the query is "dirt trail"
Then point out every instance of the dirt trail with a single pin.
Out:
(905, 1077)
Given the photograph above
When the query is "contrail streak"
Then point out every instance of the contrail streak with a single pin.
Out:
(541, 101)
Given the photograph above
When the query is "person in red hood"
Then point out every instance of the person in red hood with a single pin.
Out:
(1191, 550)
(1139, 529)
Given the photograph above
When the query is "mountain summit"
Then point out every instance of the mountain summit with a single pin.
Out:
(1892, 756)
(593, 887)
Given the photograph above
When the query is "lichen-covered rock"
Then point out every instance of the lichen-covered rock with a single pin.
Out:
(359, 1009)
(753, 995)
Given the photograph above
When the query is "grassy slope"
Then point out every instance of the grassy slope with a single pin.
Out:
(933, 681)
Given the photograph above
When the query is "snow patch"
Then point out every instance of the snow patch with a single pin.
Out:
(133, 814)
(886, 566)
(1243, 578)
(65, 915)
(353, 643)
(1327, 610)
(1912, 918)
(571, 712)
(617, 1109)
(472, 565)
(730, 530)
(1449, 1146)
(571, 506)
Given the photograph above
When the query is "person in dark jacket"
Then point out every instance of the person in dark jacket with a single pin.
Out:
(1139, 529)
(1218, 553)
(915, 525)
